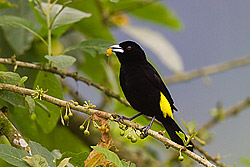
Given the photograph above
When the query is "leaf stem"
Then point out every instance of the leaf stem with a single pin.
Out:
(36, 34)
(54, 18)
(49, 29)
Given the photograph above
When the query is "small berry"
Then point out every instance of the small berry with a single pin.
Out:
(81, 127)
(33, 116)
(76, 103)
(133, 140)
(103, 128)
(111, 118)
(120, 126)
(107, 130)
(129, 136)
(180, 158)
(141, 136)
(70, 114)
(66, 117)
(122, 133)
(86, 132)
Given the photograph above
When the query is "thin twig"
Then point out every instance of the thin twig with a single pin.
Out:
(63, 74)
(228, 113)
(156, 135)
(212, 69)
(73, 75)
(211, 158)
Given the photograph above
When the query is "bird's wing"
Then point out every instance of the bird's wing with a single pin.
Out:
(156, 80)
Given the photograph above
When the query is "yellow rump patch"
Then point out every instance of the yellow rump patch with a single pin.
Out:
(165, 106)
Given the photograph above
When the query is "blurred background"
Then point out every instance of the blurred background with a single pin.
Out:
(214, 32)
(177, 36)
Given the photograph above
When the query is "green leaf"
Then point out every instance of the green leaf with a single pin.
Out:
(182, 136)
(13, 156)
(5, 4)
(56, 154)
(37, 149)
(9, 78)
(11, 97)
(2, 67)
(159, 13)
(93, 68)
(115, 1)
(31, 103)
(92, 27)
(36, 161)
(127, 164)
(67, 15)
(48, 119)
(192, 126)
(111, 77)
(25, 20)
(77, 159)
(64, 162)
(22, 80)
(38, 13)
(61, 61)
(109, 155)
(92, 46)
(17, 22)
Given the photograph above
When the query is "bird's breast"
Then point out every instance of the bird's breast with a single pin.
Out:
(138, 90)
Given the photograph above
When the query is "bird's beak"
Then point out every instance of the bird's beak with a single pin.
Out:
(114, 48)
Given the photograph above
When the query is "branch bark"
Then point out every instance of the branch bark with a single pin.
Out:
(228, 113)
(14, 137)
(212, 69)
(64, 74)
(62, 103)
(209, 157)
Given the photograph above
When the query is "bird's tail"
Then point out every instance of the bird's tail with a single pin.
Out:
(171, 127)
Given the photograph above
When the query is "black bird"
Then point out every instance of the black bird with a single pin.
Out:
(144, 88)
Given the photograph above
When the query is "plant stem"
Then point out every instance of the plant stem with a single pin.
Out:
(49, 29)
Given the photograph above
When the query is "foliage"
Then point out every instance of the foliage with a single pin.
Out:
(65, 36)
(40, 156)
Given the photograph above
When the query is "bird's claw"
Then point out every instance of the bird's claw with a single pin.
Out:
(121, 117)
(145, 130)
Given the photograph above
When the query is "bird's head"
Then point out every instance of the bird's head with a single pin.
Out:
(128, 51)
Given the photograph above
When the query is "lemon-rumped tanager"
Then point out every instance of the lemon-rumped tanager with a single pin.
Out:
(144, 88)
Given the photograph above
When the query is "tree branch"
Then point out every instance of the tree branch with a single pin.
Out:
(62, 103)
(228, 113)
(185, 76)
(212, 69)
(63, 74)
(211, 158)
(215, 120)
(14, 137)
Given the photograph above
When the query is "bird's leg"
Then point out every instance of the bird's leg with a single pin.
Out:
(146, 128)
(130, 118)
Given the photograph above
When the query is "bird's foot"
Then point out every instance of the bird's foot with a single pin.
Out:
(121, 117)
(130, 118)
(145, 130)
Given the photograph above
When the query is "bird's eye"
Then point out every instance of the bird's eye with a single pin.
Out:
(129, 47)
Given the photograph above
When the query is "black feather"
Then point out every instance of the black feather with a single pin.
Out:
(142, 86)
